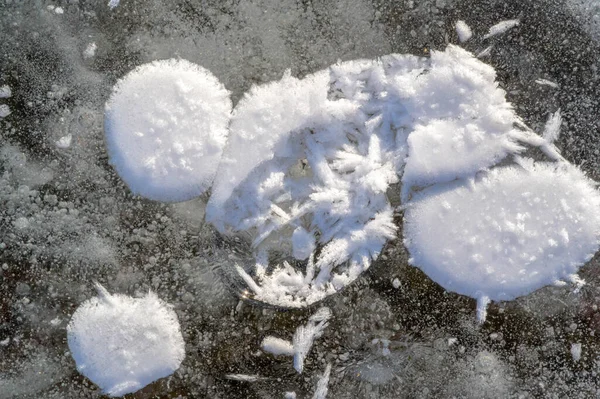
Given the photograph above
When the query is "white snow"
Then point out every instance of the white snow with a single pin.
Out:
(113, 3)
(166, 126)
(122, 343)
(501, 27)
(5, 91)
(576, 352)
(463, 31)
(506, 233)
(306, 334)
(290, 395)
(59, 10)
(277, 346)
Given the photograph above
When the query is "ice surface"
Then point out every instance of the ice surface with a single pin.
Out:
(166, 126)
(506, 234)
(122, 343)
(463, 31)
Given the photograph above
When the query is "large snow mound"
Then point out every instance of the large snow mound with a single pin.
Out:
(310, 161)
(506, 234)
(122, 343)
(166, 126)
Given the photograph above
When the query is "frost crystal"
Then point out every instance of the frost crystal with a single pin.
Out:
(166, 126)
(306, 334)
(122, 343)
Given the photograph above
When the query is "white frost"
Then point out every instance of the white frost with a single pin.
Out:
(90, 50)
(122, 343)
(546, 82)
(4, 111)
(463, 30)
(552, 128)
(323, 384)
(501, 27)
(306, 334)
(166, 126)
(64, 142)
(113, 3)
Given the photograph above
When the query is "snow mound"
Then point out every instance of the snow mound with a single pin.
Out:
(166, 127)
(506, 234)
(122, 343)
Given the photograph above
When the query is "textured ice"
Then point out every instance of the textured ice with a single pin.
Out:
(166, 126)
(122, 343)
(506, 233)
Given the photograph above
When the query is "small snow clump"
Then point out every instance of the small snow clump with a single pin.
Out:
(166, 126)
(122, 343)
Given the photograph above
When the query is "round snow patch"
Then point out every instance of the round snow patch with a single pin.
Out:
(166, 126)
(122, 343)
(510, 233)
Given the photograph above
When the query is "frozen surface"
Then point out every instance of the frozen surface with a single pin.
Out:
(122, 343)
(166, 126)
(507, 233)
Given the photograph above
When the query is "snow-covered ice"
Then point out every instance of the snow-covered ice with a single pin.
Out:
(506, 233)
(166, 126)
(123, 343)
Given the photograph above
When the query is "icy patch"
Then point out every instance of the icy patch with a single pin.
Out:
(166, 126)
(506, 234)
(122, 343)
(463, 31)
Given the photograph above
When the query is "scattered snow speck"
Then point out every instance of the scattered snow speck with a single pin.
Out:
(64, 142)
(113, 3)
(501, 27)
(166, 126)
(4, 111)
(546, 82)
(5, 91)
(576, 351)
(122, 343)
(396, 283)
(463, 30)
(59, 10)
(290, 395)
(506, 234)
(90, 50)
